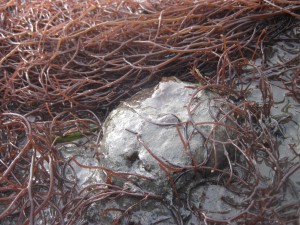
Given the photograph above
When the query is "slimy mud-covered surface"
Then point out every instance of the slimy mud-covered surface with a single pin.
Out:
(65, 67)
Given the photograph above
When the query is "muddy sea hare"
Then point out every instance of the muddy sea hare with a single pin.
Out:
(163, 127)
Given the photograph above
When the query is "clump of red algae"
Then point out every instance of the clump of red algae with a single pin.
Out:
(64, 65)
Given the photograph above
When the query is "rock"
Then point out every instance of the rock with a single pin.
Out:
(210, 198)
(157, 115)
(85, 156)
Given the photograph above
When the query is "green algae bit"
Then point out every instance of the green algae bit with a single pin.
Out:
(73, 136)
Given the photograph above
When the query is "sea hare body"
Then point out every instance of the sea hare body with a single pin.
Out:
(165, 125)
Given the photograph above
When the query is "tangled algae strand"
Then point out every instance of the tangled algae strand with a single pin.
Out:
(79, 54)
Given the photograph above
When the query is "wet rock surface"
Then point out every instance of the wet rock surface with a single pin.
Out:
(85, 156)
(152, 129)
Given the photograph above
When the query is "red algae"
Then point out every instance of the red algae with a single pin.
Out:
(65, 65)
